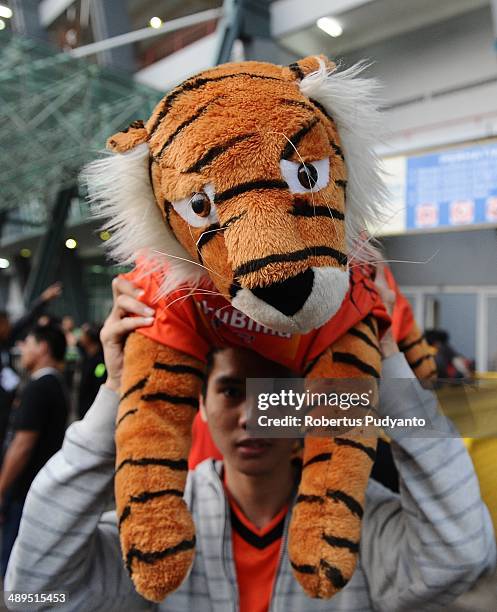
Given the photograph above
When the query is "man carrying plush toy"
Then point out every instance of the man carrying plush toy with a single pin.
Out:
(418, 551)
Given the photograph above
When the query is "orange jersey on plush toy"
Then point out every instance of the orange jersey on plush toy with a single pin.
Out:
(402, 318)
(194, 322)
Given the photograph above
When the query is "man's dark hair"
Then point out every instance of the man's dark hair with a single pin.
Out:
(209, 365)
(208, 369)
(92, 330)
(54, 337)
(436, 335)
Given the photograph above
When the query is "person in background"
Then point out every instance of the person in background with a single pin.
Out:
(37, 427)
(450, 364)
(69, 329)
(72, 355)
(10, 333)
(48, 319)
(93, 372)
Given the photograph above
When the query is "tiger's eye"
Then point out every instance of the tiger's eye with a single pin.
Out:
(307, 175)
(201, 205)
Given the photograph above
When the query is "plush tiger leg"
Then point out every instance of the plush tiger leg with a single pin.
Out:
(153, 434)
(326, 522)
(418, 354)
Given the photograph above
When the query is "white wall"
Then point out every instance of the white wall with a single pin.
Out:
(424, 63)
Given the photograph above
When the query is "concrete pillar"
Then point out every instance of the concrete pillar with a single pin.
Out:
(26, 19)
(110, 18)
(248, 21)
(493, 6)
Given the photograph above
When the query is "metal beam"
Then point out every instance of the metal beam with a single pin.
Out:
(245, 20)
(26, 19)
(144, 33)
(229, 29)
(290, 15)
(50, 247)
(172, 69)
(71, 275)
(493, 6)
(49, 10)
(110, 18)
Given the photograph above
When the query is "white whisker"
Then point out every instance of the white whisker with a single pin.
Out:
(373, 236)
(192, 293)
(409, 261)
(195, 263)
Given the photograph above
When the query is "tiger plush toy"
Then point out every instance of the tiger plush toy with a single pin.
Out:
(244, 196)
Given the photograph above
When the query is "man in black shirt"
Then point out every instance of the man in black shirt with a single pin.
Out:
(37, 427)
(10, 333)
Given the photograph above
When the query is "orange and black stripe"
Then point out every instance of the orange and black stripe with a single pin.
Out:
(152, 440)
(195, 84)
(334, 478)
(418, 354)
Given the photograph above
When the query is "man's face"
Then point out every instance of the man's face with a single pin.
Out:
(31, 352)
(224, 408)
(67, 324)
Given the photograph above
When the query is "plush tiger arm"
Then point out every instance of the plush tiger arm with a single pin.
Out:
(418, 354)
(153, 436)
(326, 522)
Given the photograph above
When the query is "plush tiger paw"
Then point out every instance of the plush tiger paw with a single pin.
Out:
(322, 562)
(158, 546)
(326, 521)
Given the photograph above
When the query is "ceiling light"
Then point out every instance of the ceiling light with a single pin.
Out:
(330, 26)
(5, 11)
(71, 243)
(4, 263)
(155, 22)
(2, 24)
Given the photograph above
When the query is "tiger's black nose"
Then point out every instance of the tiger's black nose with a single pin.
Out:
(288, 296)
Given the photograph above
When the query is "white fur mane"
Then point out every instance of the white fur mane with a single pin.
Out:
(120, 191)
(352, 102)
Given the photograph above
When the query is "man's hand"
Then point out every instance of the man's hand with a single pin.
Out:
(388, 345)
(119, 324)
(52, 292)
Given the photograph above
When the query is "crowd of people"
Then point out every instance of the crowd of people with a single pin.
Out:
(50, 373)
(425, 540)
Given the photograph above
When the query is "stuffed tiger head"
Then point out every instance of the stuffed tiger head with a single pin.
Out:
(260, 176)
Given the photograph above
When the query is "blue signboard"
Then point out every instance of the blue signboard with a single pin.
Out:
(453, 188)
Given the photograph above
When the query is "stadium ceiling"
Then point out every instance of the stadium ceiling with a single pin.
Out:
(56, 113)
(364, 22)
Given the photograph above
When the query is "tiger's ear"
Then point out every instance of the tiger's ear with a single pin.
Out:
(129, 138)
(307, 65)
